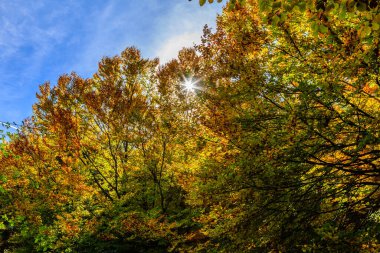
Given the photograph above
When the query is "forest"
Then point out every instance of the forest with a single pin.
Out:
(265, 137)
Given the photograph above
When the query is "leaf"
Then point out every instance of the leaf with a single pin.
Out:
(2, 190)
(275, 20)
(265, 5)
(343, 11)
(276, 5)
(302, 6)
(314, 26)
(323, 29)
(202, 2)
(375, 26)
(283, 17)
(365, 31)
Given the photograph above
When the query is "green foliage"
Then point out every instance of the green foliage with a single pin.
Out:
(276, 149)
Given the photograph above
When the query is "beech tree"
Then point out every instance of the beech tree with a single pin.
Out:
(300, 111)
(263, 138)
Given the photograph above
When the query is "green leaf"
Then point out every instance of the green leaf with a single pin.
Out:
(265, 5)
(275, 20)
(283, 17)
(375, 26)
(343, 11)
(323, 29)
(302, 6)
(2, 190)
(202, 2)
(276, 5)
(365, 31)
(330, 7)
(232, 4)
(314, 26)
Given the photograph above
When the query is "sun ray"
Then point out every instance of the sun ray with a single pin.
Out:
(189, 84)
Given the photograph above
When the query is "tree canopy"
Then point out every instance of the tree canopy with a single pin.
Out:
(273, 145)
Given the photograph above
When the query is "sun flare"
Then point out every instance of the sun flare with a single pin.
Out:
(189, 85)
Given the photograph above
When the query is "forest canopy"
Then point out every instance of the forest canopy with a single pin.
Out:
(263, 138)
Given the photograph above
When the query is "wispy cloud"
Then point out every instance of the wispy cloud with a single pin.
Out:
(182, 27)
(27, 38)
(158, 28)
(40, 40)
(170, 47)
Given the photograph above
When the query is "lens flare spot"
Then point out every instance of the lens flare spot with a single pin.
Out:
(189, 85)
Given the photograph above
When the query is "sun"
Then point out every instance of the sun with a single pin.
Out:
(189, 85)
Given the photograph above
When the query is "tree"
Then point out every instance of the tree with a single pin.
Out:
(109, 150)
(287, 101)
(265, 137)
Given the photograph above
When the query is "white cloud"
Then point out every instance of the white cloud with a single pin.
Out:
(157, 29)
(182, 27)
(173, 44)
(27, 39)
(40, 40)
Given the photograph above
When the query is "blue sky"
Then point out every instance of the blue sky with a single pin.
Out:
(40, 40)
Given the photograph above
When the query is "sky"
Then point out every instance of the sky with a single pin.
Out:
(43, 39)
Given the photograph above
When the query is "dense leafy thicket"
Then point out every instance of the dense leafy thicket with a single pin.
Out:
(277, 148)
